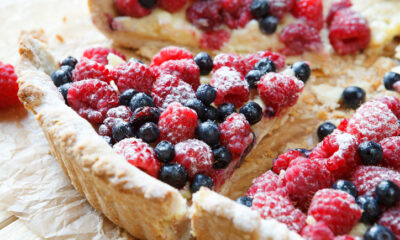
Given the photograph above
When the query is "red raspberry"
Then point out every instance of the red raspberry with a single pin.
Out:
(310, 11)
(278, 8)
(113, 115)
(279, 91)
(373, 121)
(317, 231)
(132, 75)
(206, 15)
(177, 123)
(88, 69)
(172, 6)
(299, 38)
(237, 13)
(185, 69)
(393, 104)
(391, 220)
(349, 32)
(131, 8)
(391, 152)
(139, 154)
(231, 87)
(268, 182)
(336, 6)
(252, 59)
(336, 208)
(92, 99)
(195, 156)
(100, 54)
(345, 237)
(273, 205)
(214, 40)
(169, 88)
(365, 178)
(339, 149)
(8, 86)
(236, 134)
(170, 53)
(282, 161)
(232, 61)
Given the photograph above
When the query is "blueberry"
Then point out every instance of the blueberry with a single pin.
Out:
(378, 232)
(353, 97)
(387, 193)
(148, 3)
(304, 152)
(67, 68)
(143, 115)
(269, 24)
(346, 186)
(69, 61)
(108, 140)
(211, 113)
(206, 93)
(222, 157)
(197, 106)
(173, 174)
(63, 89)
(126, 97)
(208, 132)
(252, 111)
(201, 180)
(253, 77)
(247, 201)
(325, 129)
(205, 63)
(121, 130)
(260, 8)
(60, 77)
(370, 152)
(165, 151)
(225, 109)
(390, 79)
(265, 65)
(141, 100)
(370, 209)
(149, 132)
(301, 70)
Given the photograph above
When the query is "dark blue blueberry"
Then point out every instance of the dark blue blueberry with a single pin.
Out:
(253, 77)
(205, 63)
(108, 140)
(206, 93)
(208, 132)
(353, 97)
(269, 24)
(63, 89)
(222, 157)
(201, 180)
(173, 174)
(247, 201)
(260, 8)
(305, 152)
(141, 100)
(143, 115)
(378, 232)
(301, 70)
(197, 106)
(121, 130)
(225, 109)
(149, 132)
(252, 111)
(67, 68)
(346, 186)
(165, 151)
(69, 61)
(148, 3)
(325, 129)
(211, 113)
(126, 97)
(387, 193)
(61, 76)
(370, 152)
(265, 65)
(390, 79)
(370, 209)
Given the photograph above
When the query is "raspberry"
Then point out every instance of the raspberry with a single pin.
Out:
(310, 11)
(345, 237)
(100, 54)
(92, 99)
(236, 134)
(278, 8)
(172, 6)
(336, 208)
(185, 69)
(195, 156)
(349, 32)
(298, 38)
(365, 178)
(268, 182)
(139, 154)
(273, 205)
(391, 220)
(317, 231)
(373, 121)
(336, 6)
(177, 123)
(170, 53)
(392, 103)
(282, 161)
(113, 115)
(231, 87)
(391, 152)
(131, 8)
(206, 15)
(236, 13)
(279, 91)
(169, 88)
(88, 69)
(214, 40)
(252, 59)
(339, 149)
(132, 75)
(8, 86)
(232, 61)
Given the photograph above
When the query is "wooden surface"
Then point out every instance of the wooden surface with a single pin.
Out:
(14, 229)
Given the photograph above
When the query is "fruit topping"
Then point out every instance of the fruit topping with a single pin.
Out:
(8, 86)
(89, 69)
(100, 54)
(353, 97)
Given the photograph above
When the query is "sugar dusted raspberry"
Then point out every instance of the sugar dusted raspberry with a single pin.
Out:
(336, 208)
(92, 99)
(252, 59)
(317, 231)
(8, 86)
(278, 8)
(391, 152)
(373, 121)
(172, 6)
(139, 154)
(349, 32)
(89, 69)
(282, 161)
(177, 123)
(195, 156)
(132, 75)
(273, 205)
(391, 220)
(214, 40)
(131, 8)
(230, 60)
(279, 91)
(100, 54)
(310, 11)
(236, 134)
(365, 178)
(185, 69)
(169, 88)
(231, 87)
(206, 15)
(393, 104)
(299, 38)
(236, 13)
(120, 113)
(170, 53)
(268, 182)
(336, 6)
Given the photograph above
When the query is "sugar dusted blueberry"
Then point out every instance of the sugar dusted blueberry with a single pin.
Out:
(205, 63)
(173, 174)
